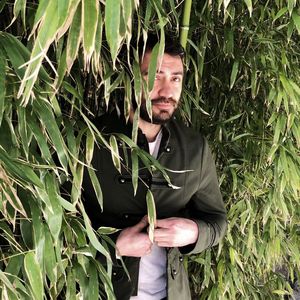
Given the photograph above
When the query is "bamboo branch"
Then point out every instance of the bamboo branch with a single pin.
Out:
(185, 24)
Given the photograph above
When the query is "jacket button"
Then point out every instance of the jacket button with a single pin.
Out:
(121, 180)
(126, 216)
(174, 272)
(114, 273)
(168, 149)
(181, 259)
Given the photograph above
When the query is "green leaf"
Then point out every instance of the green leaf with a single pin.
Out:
(46, 115)
(280, 13)
(44, 38)
(107, 230)
(296, 19)
(249, 6)
(17, 168)
(134, 170)
(96, 186)
(89, 147)
(115, 152)
(92, 236)
(20, 6)
(112, 25)
(49, 257)
(40, 138)
(93, 282)
(74, 38)
(66, 204)
(151, 211)
(2, 83)
(54, 213)
(34, 275)
(234, 72)
(71, 285)
(153, 66)
(4, 279)
(90, 12)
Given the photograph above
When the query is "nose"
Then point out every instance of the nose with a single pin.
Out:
(165, 89)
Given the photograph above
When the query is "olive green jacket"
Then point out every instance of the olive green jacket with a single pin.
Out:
(198, 197)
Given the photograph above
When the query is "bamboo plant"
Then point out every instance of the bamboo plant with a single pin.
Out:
(62, 63)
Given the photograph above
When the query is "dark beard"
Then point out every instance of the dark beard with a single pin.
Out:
(159, 119)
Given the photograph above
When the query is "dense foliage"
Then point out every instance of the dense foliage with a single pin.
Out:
(63, 62)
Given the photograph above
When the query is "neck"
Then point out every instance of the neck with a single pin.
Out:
(150, 130)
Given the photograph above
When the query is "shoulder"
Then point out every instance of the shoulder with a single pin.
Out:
(110, 123)
(187, 134)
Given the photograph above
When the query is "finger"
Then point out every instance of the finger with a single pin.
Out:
(142, 224)
(164, 223)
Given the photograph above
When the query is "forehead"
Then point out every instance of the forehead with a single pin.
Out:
(166, 62)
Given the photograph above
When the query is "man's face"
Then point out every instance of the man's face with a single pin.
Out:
(166, 91)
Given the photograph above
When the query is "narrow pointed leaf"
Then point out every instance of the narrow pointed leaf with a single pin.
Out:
(2, 83)
(234, 72)
(96, 186)
(34, 274)
(90, 12)
(151, 210)
(115, 152)
(112, 24)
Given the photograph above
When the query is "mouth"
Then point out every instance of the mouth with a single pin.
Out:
(164, 103)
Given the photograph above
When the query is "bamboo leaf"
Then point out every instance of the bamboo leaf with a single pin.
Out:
(19, 170)
(34, 274)
(4, 278)
(249, 6)
(40, 138)
(22, 129)
(152, 69)
(90, 13)
(280, 13)
(296, 19)
(151, 211)
(2, 83)
(107, 230)
(89, 147)
(44, 38)
(66, 204)
(96, 186)
(48, 120)
(49, 257)
(92, 236)
(93, 282)
(112, 25)
(20, 6)
(115, 152)
(134, 170)
(234, 72)
(74, 37)
(71, 285)
(53, 212)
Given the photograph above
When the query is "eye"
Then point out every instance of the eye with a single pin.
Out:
(177, 79)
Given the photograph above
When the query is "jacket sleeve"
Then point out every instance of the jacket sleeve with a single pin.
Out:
(206, 206)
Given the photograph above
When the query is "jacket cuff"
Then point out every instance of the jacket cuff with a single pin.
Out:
(204, 240)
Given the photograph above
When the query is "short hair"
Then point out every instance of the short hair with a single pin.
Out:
(172, 45)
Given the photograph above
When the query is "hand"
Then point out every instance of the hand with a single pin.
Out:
(175, 232)
(133, 242)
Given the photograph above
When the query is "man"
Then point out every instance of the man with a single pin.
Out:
(189, 220)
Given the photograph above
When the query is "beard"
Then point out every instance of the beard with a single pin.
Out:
(161, 117)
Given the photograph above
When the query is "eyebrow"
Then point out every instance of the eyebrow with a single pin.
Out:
(161, 72)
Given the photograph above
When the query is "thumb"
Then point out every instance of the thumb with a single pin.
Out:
(141, 224)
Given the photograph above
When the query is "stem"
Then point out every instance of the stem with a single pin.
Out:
(185, 25)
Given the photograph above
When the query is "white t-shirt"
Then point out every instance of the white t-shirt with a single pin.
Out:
(152, 283)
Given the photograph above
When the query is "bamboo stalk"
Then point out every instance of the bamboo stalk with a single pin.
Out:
(185, 24)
